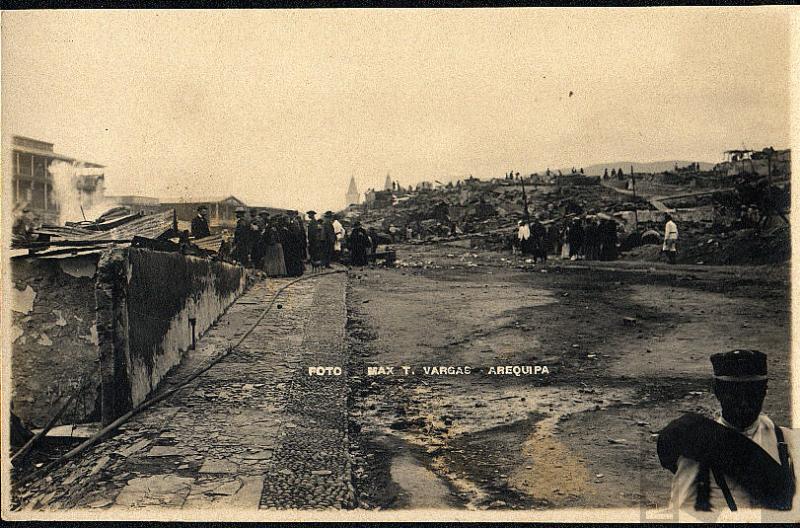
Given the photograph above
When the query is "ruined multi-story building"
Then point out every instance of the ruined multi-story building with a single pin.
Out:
(33, 184)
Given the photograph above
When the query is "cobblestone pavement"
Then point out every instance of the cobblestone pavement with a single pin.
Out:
(253, 431)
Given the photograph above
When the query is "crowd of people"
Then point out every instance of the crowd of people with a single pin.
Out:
(283, 244)
(590, 238)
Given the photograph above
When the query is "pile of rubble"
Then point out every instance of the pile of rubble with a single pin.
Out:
(484, 215)
(487, 211)
(117, 227)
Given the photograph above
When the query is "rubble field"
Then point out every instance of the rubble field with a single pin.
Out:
(626, 346)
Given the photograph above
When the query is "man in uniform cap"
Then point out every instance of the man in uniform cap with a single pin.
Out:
(741, 460)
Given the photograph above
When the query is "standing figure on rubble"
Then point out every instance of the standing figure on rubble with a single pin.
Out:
(373, 240)
(539, 236)
(241, 239)
(609, 230)
(338, 231)
(524, 237)
(593, 240)
(328, 239)
(670, 246)
(200, 223)
(359, 244)
(576, 238)
(294, 247)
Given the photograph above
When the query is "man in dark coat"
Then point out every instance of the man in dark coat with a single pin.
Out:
(241, 239)
(359, 243)
(200, 223)
(259, 231)
(314, 237)
(294, 247)
(539, 237)
(328, 239)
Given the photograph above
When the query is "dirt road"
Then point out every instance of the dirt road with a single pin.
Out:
(626, 347)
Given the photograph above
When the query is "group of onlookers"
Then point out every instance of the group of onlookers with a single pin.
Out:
(282, 244)
(576, 238)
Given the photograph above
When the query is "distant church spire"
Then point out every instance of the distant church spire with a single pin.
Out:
(352, 192)
(388, 185)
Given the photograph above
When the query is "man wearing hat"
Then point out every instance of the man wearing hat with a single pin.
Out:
(23, 227)
(200, 223)
(328, 239)
(741, 459)
(314, 237)
(241, 238)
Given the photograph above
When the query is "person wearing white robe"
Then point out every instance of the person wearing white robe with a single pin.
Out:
(338, 230)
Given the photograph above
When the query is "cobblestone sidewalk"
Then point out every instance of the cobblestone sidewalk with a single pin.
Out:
(253, 431)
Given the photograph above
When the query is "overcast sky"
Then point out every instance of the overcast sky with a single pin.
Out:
(282, 107)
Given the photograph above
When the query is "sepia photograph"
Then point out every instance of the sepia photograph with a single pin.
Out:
(519, 264)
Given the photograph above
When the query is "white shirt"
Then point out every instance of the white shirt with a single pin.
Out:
(762, 432)
(338, 230)
(671, 231)
(524, 232)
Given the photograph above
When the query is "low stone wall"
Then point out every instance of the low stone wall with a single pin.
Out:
(54, 342)
(165, 292)
(123, 317)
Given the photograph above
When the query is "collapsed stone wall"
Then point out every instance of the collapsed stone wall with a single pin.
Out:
(54, 342)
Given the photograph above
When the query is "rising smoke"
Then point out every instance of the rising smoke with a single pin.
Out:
(79, 191)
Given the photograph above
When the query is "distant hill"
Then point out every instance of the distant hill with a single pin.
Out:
(653, 166)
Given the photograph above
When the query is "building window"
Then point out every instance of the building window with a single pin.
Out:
(25, 164)
(37, 201)
(39, 167)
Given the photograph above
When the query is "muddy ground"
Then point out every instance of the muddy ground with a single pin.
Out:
(626, 346)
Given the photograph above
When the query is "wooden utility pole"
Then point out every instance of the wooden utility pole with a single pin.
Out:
(524, 198)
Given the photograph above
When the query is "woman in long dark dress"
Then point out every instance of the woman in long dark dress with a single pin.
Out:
(274, 264)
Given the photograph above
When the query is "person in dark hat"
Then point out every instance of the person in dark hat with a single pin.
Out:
(200, 227)
(241, 238)
(23, 228)
(359, 244)
(314, 237)
(741, 459)
(328, 239)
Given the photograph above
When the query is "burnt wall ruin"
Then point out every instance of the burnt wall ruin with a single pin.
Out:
(121, 319)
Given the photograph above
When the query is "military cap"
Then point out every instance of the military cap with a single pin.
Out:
(263, 212)
(740, 365)
(311, 213)
(239, 210)
(328, 214)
